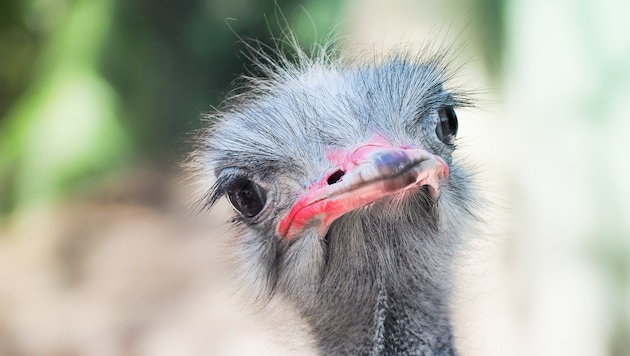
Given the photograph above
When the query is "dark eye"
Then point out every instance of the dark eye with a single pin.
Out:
(446, 129)
(247, 197)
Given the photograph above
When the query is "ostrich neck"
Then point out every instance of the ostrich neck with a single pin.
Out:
(402, 326)
(387, 324)
(398, 303)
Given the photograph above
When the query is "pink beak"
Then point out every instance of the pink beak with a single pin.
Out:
(364, 173)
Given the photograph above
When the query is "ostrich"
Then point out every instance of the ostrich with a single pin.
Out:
(348, 202)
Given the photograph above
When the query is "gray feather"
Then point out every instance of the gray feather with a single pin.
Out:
(380, 282)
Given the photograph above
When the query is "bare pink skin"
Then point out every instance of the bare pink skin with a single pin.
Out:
(373, 170)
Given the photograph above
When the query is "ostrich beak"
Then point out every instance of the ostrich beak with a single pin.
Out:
(363, 174)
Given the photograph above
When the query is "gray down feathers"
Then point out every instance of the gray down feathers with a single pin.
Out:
(379, 282)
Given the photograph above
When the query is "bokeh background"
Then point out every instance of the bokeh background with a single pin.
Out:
(98, 102)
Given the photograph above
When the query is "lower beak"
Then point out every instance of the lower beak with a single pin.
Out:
(363, 174)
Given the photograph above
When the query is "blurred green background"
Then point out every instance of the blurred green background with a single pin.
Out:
(87, 87)
(92, 88)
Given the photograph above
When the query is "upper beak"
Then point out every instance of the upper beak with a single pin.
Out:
(363, 174)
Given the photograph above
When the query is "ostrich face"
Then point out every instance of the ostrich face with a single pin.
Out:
(315, 156)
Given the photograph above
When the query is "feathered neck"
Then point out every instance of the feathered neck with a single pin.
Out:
(397, 302)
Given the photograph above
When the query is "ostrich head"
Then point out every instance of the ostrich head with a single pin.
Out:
(347, 199)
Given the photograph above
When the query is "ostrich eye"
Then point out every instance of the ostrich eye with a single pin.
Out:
(446, 128)
(247, 197)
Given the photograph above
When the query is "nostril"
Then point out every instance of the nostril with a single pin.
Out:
(335, 177)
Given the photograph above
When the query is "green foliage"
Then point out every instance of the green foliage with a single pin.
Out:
(93, 85)
(64, 127)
